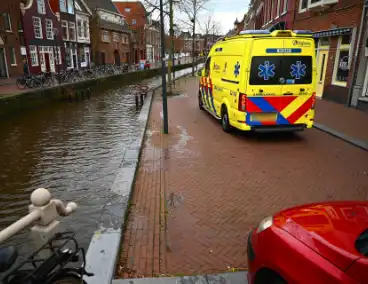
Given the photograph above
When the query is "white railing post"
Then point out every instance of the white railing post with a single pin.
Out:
(42, 214)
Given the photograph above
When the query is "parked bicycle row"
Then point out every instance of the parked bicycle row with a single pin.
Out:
(48, 79)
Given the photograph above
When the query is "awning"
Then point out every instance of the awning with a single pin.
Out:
(333, 32)
(278, 26)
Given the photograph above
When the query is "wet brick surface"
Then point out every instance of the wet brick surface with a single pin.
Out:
(199, 191)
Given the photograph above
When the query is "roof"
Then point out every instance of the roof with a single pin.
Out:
(102, 4)
(114, 27)
(121, 5)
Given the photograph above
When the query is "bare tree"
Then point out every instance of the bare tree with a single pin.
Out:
(191, 8)
(210, 30)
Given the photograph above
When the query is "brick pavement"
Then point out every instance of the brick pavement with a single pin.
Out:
(350, 121)
(199, 191)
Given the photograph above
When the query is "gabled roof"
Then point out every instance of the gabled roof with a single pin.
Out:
(83, 5)
(121, 5)
(102, 4)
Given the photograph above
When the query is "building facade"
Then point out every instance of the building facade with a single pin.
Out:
(11, 64)
(42, 36)
(153, 40)
(135, 15)
(110, 34)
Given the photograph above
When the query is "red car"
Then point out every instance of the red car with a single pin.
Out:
(316, 243)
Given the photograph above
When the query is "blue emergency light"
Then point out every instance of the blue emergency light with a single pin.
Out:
(303, 32)
(259, 32)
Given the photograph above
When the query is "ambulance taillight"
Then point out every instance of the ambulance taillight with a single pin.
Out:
(242, 106)
(313, 100)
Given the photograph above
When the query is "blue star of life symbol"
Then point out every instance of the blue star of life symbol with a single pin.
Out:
(298, 70)
(266, 70)
(237, 69)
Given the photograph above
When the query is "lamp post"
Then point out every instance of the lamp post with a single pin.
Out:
(163, 70)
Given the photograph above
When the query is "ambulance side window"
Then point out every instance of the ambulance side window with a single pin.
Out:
(207, 67)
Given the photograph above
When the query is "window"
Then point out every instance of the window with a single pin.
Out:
(63, 6)
(41, 6)
(70, 6)
(303, 5)
(64, 30)
(280, 70)
(85, 29)
(13, 57)
(105, 36)
(37, 27)
(7, 22)
(278, 8)
(49, 29)
(324, 41)
(134, 21)
(342, 61)
(72, 35)
(115, 37)
(127, 10)
(34, 55)
(58, 55)
(285, 7)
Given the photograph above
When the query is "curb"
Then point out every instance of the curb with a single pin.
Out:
(228, 278)
(103, 251)
(355, 142)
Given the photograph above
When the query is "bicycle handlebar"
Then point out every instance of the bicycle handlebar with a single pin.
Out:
(41, 202)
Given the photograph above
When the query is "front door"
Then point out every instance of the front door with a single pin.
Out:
(3, 72)
(321, 71)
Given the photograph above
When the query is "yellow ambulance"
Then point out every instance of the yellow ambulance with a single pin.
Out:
(261, 80)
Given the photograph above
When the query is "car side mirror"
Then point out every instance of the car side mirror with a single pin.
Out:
(199, 73)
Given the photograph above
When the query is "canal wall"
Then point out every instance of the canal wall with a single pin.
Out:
(103, 252)
(13, 104)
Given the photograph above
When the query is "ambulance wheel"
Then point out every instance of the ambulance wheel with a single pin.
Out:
(226, 127)
(200, 102)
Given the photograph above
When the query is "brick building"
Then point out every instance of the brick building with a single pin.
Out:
(42, 36)
(11, 64)
(135, 15)
(153, 40)
(74, 18)
(110, 34)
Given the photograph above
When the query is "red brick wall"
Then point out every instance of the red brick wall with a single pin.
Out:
(11, 39)
(347, 13)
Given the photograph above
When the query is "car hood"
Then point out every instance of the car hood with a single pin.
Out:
(330, 229)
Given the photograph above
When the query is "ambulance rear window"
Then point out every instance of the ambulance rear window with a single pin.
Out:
(279, 70)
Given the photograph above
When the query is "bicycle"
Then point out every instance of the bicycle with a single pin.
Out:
(28, 82)
(62, 249)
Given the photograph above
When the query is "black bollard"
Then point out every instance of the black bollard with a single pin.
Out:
(142, 100)
(136, 101)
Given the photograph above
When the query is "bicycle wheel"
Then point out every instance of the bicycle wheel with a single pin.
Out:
(68, 278)
(21, 83)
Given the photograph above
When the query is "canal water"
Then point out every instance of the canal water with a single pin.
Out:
(72, 149)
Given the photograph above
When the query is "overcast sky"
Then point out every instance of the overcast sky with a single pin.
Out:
(224, 12)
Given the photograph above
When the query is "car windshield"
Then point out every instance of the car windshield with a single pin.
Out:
(276, 70)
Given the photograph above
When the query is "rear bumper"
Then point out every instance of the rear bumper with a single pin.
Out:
(279, 128)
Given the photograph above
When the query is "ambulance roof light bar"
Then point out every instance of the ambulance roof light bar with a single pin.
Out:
(303, 32)
(255, 32)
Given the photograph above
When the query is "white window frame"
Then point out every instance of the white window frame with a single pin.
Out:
(72, 35)
(285, 7)
(134, 21)
(63, 6)
(33, 51)
(49, 29)
(312, 5)
(41, 7)
(64, 24)
(340, 47)
(39, 26)
(82, 32)
(13, 55)
(105, 36)
(58, 55)
(70, 8)
(278, 8)
(9, 23)
(127, 10)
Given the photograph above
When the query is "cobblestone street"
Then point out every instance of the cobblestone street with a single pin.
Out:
(199, 191)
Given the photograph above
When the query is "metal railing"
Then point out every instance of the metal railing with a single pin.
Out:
(43, 212)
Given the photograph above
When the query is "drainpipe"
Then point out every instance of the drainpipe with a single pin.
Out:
(355, 63)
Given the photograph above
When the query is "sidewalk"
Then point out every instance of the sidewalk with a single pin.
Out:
(348, 121)
(199, 191)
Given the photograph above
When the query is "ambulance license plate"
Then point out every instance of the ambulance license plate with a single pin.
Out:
(264, 117)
